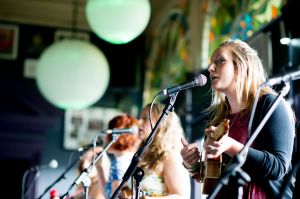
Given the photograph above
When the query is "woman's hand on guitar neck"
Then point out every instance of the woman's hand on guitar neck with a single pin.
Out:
(225, 144)
(189, 153)
(215, 148)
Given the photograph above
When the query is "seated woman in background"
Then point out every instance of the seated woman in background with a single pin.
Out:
(164, 174)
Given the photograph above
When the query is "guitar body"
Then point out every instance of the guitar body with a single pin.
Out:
(212, 173)
(212, 167)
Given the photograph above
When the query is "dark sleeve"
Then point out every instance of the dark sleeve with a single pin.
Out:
(269, 158)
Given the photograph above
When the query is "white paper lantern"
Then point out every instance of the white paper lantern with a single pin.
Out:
(118, 21)
(72, 74)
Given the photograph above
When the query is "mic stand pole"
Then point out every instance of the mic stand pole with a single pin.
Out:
(137, 156)
(138, 176)
(83, 177)
(234, 169)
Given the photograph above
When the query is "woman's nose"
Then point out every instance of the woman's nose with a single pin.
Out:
(140, 122)
(211, 67)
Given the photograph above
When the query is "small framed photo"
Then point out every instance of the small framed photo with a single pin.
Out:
(68, 34)
(9, 39)
(82, 126)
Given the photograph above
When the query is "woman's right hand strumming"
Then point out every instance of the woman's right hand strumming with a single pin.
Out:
(190, 153)
(191, 158)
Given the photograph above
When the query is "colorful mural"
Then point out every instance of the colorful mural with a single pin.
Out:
(241, 18)
(168, 59)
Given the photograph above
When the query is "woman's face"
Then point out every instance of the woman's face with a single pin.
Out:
(144, 124)
(222, 71)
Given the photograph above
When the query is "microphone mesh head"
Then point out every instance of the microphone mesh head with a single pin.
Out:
(201, 79)
(53, 164)
(134, 129)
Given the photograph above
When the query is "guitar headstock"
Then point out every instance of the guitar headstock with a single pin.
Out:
(221, 130)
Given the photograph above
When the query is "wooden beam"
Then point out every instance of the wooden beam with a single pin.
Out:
(52, 13)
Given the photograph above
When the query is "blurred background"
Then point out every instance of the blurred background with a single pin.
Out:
(62, 78)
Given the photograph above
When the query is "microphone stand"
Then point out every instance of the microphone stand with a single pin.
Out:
(138, 176)
(83, 177)
(137, 156)
(234, 169)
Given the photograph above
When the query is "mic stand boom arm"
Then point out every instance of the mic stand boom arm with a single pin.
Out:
(137, 156)
(235, 167)
(83, 177)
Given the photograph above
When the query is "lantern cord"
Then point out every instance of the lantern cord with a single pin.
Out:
(74, 19)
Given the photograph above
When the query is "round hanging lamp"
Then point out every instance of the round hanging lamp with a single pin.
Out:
(72, 74)
(118, 21)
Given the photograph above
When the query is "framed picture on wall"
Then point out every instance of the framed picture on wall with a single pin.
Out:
(68, 34)
(9, 38)
(82, 126)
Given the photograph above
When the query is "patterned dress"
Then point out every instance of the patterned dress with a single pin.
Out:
(153, 184)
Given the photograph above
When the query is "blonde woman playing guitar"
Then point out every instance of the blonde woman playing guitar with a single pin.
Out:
(236, 74)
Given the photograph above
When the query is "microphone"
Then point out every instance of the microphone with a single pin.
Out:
(88, 146)
(199, 80)
(131, 130)
(53, 164)
(285, 78)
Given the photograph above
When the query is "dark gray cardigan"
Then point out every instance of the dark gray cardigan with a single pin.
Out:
(269, 159)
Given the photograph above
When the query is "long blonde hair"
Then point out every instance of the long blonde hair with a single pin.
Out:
(167, 138)
(251, 75)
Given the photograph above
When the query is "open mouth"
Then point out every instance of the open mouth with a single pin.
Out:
(213, 77)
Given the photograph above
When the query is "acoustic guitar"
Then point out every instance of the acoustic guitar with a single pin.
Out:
(211, 168)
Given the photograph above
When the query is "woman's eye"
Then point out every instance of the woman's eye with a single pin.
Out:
(220, 61)
(145, 120)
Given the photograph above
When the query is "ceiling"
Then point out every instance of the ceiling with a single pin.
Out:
(59, 13)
